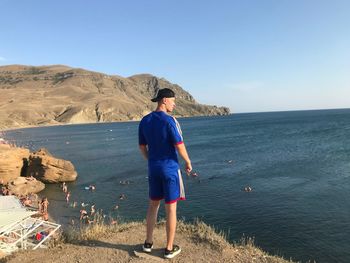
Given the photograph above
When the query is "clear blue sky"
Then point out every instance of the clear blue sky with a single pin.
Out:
(249, 55)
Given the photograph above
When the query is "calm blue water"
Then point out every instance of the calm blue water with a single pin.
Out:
(298, 164)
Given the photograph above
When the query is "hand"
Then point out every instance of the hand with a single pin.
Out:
(188, 168)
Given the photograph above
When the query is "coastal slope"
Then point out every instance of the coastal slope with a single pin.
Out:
(122, 243)
(57, 94)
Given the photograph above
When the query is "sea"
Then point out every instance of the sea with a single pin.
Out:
(297, 164)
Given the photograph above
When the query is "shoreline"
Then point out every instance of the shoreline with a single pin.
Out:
(5, 129)
(54, 125)
(2, 129)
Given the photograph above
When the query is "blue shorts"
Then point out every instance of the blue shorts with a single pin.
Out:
(165, 182)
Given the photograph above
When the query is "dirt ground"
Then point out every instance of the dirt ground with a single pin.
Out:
(124, 245)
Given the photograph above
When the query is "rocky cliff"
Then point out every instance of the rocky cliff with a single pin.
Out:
(23, 172)
(35, 96)
(12, 161)
(48, 169)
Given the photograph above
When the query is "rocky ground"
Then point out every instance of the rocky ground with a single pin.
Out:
(122, 243)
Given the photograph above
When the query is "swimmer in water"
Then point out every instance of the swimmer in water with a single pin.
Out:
(248, 189)
(67, 197)
(92, 210)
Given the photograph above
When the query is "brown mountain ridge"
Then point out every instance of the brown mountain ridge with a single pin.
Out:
(57, 94)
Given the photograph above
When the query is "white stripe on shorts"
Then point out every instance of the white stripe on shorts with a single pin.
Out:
(182, 188)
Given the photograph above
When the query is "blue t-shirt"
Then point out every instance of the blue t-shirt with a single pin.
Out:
(160, 132)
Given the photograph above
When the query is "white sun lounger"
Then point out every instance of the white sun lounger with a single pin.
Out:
(18, 229)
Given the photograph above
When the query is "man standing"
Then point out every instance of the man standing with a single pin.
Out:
(160, 139)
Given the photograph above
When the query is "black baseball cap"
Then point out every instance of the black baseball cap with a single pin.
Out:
(163, 93)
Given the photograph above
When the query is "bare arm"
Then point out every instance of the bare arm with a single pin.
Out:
(144, 151)
(181, 149)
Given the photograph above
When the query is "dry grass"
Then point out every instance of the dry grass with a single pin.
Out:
(98, 228)
(199, 233)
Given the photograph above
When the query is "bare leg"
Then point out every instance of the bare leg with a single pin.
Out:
(170, 224)
(151, 219)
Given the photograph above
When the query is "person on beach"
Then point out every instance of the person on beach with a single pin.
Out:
(40, 206)
(45, 216)
(67, 197)
(160, 140)
(44, 205)
(26, 201)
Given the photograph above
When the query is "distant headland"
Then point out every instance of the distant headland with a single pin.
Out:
(57, 94)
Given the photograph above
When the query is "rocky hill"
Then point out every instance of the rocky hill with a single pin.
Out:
(47, 95)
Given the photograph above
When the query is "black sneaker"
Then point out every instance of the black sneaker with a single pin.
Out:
(172, 253)
(147, 247)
